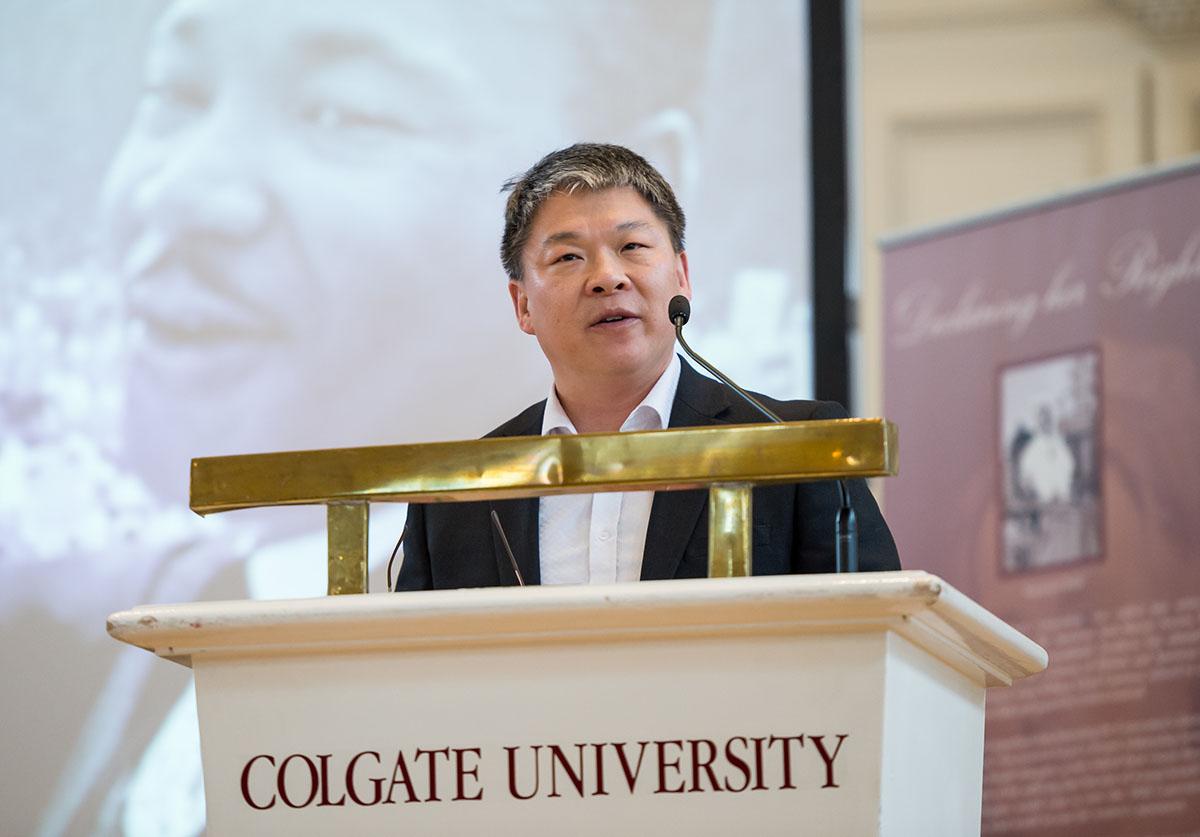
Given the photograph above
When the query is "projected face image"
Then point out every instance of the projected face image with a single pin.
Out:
(279, 207)
(297, 248)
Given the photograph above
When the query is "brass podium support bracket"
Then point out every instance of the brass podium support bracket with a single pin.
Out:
(729, 528)
(726, 459)
(347, 529)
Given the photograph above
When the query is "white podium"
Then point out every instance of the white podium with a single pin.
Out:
(783, 705)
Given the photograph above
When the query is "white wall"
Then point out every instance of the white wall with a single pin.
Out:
(967, 106)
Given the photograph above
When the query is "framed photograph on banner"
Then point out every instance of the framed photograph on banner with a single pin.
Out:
(1049, 462)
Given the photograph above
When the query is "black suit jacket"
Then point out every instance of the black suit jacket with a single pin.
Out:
(452, 545)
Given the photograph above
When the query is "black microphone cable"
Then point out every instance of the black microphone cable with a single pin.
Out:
(845, 551)
(403, 532)
(503, 540)
(512, 559)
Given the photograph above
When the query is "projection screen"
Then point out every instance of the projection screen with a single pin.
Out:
(231, 227)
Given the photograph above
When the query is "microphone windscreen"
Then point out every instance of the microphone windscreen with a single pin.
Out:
(680, 310)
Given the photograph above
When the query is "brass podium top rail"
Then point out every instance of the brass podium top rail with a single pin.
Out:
(529, 466)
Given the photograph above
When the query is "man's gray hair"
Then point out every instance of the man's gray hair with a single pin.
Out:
(591, 166)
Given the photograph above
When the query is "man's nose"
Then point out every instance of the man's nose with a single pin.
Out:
(608, 275)
(207, 182)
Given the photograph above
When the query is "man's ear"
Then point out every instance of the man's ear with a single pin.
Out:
(685, 279)
(520, 305)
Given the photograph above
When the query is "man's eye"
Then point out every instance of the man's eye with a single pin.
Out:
(634, 245)
(568, 257)
(346, 121)
(167, 106)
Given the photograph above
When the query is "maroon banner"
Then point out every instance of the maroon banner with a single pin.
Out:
(1043, 366)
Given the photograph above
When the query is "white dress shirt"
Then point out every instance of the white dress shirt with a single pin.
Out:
(600, 538)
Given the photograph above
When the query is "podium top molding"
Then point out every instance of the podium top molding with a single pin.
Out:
(917, 606)
(530, 466)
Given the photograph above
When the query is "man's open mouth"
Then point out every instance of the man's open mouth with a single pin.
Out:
(614, 317)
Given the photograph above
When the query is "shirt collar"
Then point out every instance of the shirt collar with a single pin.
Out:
(654, 413)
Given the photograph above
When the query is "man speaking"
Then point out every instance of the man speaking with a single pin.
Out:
(593, 247)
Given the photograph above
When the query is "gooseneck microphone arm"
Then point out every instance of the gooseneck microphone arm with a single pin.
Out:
(846, 540)
(680, 310)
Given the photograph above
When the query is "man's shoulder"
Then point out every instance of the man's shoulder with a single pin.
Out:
(526, 423)
(708, 400)
(802, 409)
(720, 404)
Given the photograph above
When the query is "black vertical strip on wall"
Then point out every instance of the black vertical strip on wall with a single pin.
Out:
(829, 158)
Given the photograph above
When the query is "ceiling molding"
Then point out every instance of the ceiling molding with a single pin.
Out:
(1164, 20)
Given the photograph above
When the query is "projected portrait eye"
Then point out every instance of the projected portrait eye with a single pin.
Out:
(171, 105)
(332, 117)
(351, 109)
(361, 94)
(177, 85)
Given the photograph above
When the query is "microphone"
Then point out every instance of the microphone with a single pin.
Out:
(680, 311)
(846, 522)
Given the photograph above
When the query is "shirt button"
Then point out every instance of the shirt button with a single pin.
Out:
(605, 535)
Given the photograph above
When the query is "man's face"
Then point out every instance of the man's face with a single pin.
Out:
(599, 273)
(278, 209)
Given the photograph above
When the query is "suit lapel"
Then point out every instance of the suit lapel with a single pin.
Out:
(519, 518)
(675, 515)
